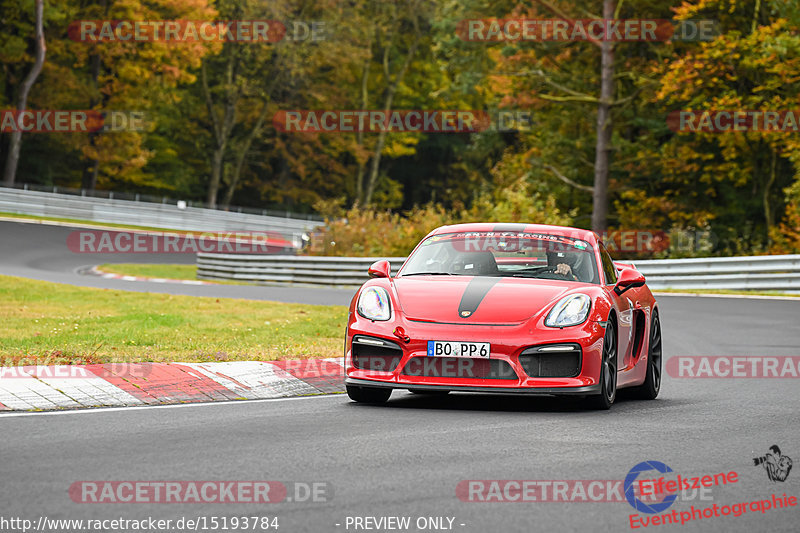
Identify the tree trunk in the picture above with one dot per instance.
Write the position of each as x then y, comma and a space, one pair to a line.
90, 174
92, 168
240, 157
767, 189
372, 178
222, 126
217, 160
15, 143
604, 129
90, 171
362, 165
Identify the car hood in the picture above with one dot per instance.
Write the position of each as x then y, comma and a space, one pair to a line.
476, 299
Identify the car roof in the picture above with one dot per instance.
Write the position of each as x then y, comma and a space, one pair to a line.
500, 227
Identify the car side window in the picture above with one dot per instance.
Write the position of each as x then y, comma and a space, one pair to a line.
608, 266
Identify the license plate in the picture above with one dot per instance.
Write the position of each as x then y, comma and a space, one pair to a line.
478, 350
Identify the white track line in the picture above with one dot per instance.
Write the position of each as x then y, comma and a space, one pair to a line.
95, 271
13, 414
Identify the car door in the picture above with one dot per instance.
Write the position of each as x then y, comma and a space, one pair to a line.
624, 306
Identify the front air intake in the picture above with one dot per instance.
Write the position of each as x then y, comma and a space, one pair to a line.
552, 360
372, 353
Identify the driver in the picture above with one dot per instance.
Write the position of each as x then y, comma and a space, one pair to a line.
563, 263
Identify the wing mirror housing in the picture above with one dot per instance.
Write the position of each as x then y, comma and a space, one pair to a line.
380, 269
628, 279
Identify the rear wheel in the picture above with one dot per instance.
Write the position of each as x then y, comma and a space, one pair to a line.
368, 394
652, 380
608, 372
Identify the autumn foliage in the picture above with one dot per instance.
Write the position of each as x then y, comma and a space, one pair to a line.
210, 105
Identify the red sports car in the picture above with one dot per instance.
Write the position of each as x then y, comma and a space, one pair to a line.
505, 308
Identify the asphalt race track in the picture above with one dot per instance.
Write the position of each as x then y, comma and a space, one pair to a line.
407, 458
40, 251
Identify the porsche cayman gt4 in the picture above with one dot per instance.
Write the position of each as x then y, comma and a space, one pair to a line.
505, 308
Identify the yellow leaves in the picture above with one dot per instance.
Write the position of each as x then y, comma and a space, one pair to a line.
398, 145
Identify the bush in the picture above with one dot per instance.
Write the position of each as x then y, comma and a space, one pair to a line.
786, 236
366, 232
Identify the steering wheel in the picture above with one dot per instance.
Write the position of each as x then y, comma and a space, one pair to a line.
553, 270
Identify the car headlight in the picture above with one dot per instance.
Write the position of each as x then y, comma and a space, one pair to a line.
569, 311
374, 304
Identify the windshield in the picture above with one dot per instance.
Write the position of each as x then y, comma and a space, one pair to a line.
524, 255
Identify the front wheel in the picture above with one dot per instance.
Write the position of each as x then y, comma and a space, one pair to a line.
368, 394
608, 372
652, 380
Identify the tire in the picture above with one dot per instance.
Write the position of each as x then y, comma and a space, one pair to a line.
368, 394
425, 392
652, 380
608, 372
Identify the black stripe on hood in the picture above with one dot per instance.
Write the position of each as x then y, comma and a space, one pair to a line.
473, 295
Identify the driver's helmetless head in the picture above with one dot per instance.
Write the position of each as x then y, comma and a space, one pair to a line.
557, 258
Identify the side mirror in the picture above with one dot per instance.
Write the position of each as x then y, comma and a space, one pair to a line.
628, 279
381, 269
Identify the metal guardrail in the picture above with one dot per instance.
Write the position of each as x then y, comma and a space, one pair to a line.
763, 272
328, 271
156, 215
150, 198
771, 272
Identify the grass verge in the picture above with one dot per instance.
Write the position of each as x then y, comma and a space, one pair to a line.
144, 270
48, 323
151, 270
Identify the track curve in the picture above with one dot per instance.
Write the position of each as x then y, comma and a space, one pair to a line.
39, 251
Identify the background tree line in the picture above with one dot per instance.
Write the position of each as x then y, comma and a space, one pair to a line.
599, 142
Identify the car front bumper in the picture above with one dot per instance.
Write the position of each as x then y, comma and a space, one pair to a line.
524, 391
